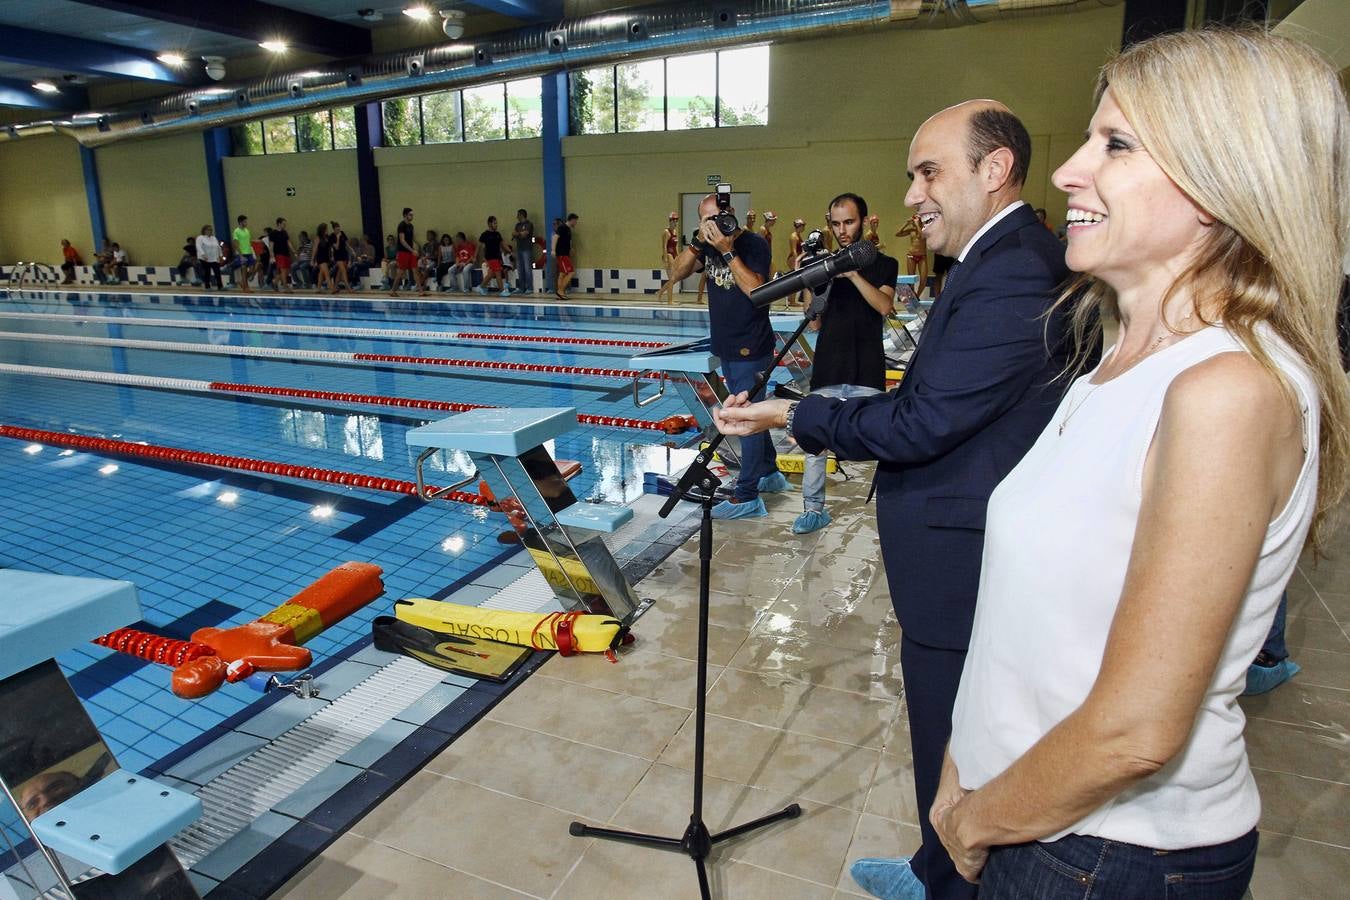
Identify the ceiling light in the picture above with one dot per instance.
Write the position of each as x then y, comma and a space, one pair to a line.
420, 13
45, 86
273, 46
172, 59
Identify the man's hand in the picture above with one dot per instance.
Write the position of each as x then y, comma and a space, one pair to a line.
713, 235
739, 417
947, 815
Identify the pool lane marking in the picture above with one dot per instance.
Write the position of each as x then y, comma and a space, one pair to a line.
340, 330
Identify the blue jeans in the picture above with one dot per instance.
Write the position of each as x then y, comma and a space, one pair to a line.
524, 271
1077, 866
758, 457
813, 470
1274, 646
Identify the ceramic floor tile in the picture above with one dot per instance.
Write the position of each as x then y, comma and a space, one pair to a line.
642, 673
1297, 703
608, 869
805, 767
1298, 750
892, 792
859, 623
1323, 668
724, 609
1303, 807
802, 708
1289, 867
465, 826
808, 847
876, 836
874, 674
354, 868
1302, 632
670, 626
528, 764
588, 715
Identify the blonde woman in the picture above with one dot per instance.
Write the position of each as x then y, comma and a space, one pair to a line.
1134, 559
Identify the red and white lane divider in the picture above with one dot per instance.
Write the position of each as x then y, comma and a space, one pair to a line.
329, 355
337, 330
669, 425
134, 450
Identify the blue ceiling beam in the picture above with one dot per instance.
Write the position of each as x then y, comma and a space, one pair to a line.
20, 93
252, 20
526, 10
28, 47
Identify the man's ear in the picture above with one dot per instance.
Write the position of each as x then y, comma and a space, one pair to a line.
996, 168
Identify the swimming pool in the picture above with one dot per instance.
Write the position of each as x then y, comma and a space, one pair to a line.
209, 547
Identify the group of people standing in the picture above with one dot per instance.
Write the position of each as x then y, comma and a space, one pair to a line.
1087, 547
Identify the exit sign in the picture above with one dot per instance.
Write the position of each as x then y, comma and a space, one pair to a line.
714, 180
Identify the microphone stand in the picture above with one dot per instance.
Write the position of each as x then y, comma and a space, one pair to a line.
699, 483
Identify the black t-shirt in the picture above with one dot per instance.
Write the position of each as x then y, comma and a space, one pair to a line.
281, 242
848, 348
406, 236
564, 240
739, 330
492, 244
524, 234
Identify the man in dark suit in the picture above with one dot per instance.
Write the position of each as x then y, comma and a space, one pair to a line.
977, 393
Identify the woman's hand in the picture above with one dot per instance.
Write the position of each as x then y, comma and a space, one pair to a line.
949, 808
738, 416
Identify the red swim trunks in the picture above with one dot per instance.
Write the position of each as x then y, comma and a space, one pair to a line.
283, 262
406, 260
494, 266
565, 265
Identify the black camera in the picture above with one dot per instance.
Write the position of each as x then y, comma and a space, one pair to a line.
725, 219
814, 244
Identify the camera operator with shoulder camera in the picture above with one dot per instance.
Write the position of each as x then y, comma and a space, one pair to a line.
736, 262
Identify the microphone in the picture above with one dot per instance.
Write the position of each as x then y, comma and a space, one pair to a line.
855, 256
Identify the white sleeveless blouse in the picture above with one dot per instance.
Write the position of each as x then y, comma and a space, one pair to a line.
1057, 543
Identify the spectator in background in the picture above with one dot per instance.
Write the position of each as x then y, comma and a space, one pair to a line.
208, 257
70, 259
445, 259
116, 269
342, 257
490, 254
406, 256
243, 247
229, 262
262, 249
524, 236
465, 253
188, 261
390, 266
323, 258
562, 255
426, 263
304, 252
281, 254
363, 253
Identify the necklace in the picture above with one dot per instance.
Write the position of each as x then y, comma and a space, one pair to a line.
1092, 388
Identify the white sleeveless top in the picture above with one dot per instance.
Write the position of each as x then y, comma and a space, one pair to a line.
1057, 543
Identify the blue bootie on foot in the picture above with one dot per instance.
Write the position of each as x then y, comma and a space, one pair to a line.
811, 520
748, 509
774, 483
889, 879
1264, 679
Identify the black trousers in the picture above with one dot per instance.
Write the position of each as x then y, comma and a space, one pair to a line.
932, 676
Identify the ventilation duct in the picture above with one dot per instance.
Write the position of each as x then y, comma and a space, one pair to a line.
628, 34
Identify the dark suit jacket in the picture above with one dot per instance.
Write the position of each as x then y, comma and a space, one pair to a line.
977, 394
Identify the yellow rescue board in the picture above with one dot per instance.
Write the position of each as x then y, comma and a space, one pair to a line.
592, 633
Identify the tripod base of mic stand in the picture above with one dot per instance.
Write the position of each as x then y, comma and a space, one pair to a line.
696, 842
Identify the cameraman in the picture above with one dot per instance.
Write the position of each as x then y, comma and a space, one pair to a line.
736, 262
849, 361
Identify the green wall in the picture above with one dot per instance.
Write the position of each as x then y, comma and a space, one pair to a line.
42, 200
842, 111
325, 190
154, 194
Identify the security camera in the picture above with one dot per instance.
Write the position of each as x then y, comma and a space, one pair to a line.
414, 66
295, 88
557, 41
193, 107
215, 67
452, 23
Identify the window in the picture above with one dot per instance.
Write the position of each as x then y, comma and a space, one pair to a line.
344, 128
743, 86
698, 90
441, 118
247, 139
279, 135
691, 91
592, 101
314, 131
642, 95
485, 113
402, 122
525, 108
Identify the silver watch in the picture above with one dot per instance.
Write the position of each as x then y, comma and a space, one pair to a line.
791, 416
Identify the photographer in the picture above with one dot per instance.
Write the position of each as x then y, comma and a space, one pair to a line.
849, 361
736, 262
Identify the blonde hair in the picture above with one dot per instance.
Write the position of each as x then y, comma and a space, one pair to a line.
1253, 128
